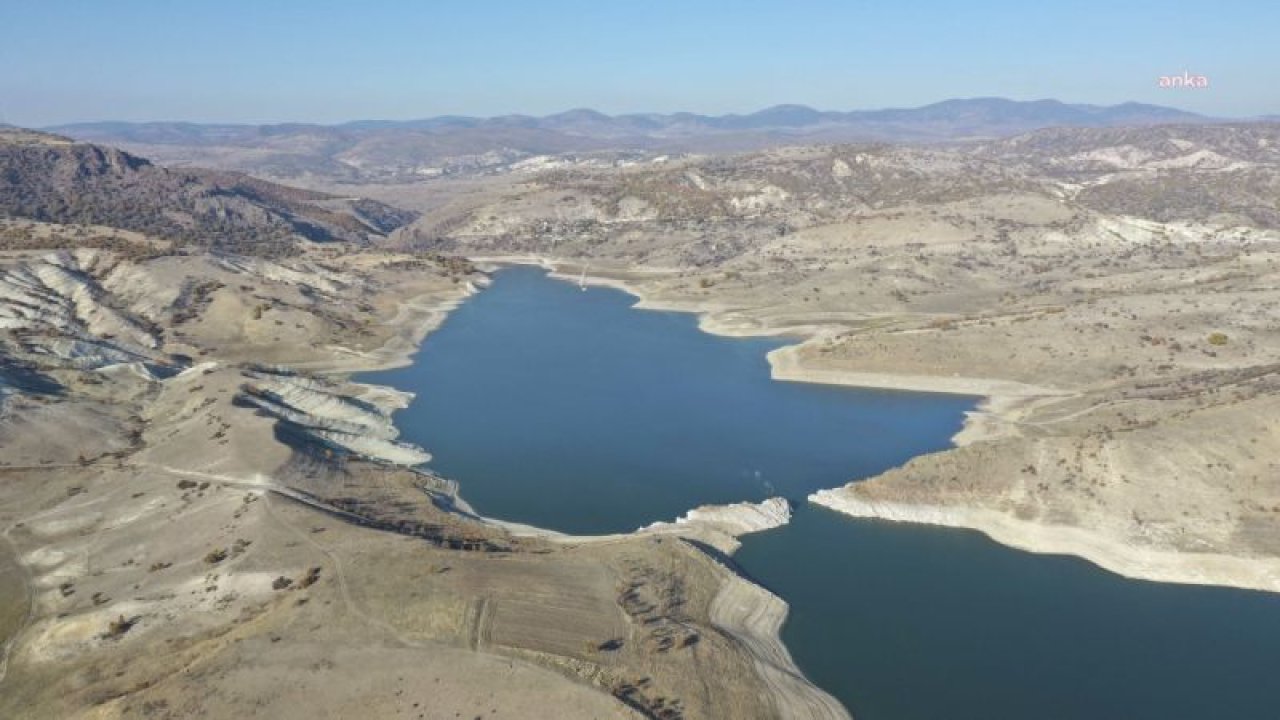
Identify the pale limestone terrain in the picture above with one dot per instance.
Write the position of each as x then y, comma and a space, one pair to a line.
1111, 293
200, 508
202, 516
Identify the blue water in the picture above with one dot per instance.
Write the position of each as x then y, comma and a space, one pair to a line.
909, 622
569, 410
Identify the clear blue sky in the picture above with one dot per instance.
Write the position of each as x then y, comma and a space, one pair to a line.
278, 60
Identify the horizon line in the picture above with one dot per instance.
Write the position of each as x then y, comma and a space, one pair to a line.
584, 108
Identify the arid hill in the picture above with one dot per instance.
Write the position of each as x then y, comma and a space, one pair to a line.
1111, 291
199, 501
198, 507
53, 179
703, 210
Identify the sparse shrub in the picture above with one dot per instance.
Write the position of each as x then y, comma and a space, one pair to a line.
312, 576
119, 626
1217, 338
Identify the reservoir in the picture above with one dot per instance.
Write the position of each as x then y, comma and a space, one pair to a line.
911, 622
569, 410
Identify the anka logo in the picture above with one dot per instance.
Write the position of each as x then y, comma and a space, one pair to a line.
1185, 80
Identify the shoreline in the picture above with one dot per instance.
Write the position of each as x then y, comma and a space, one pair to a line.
1118, 558
1003, 404
749, 613
752, 614
398, 350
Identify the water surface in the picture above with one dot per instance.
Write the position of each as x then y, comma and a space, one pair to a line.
569, 410
910, 622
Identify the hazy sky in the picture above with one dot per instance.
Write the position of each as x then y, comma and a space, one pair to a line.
278, 60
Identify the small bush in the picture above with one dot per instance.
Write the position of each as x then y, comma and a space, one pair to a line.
311, 577
1217, 339
119, 626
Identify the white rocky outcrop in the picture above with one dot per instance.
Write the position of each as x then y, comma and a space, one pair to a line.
380, 449
768, 196
305, 397
735, 519
297, 273
1117, 554
338, 420
85, 354
62, 298
141, 291
844, 500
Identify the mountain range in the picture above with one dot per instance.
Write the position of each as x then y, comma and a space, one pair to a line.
943, 119
415, 149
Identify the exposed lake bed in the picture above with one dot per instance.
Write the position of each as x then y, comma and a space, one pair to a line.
559, 407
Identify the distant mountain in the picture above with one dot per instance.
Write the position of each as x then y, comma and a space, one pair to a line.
942, 117
381, 149
55, 179
1046, 113
778, 116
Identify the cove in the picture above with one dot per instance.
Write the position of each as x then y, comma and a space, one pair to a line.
572, 411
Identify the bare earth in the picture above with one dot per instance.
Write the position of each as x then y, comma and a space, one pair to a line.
1111, 294
242, 537
239, 539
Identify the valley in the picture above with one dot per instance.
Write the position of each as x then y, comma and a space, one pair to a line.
201, 506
